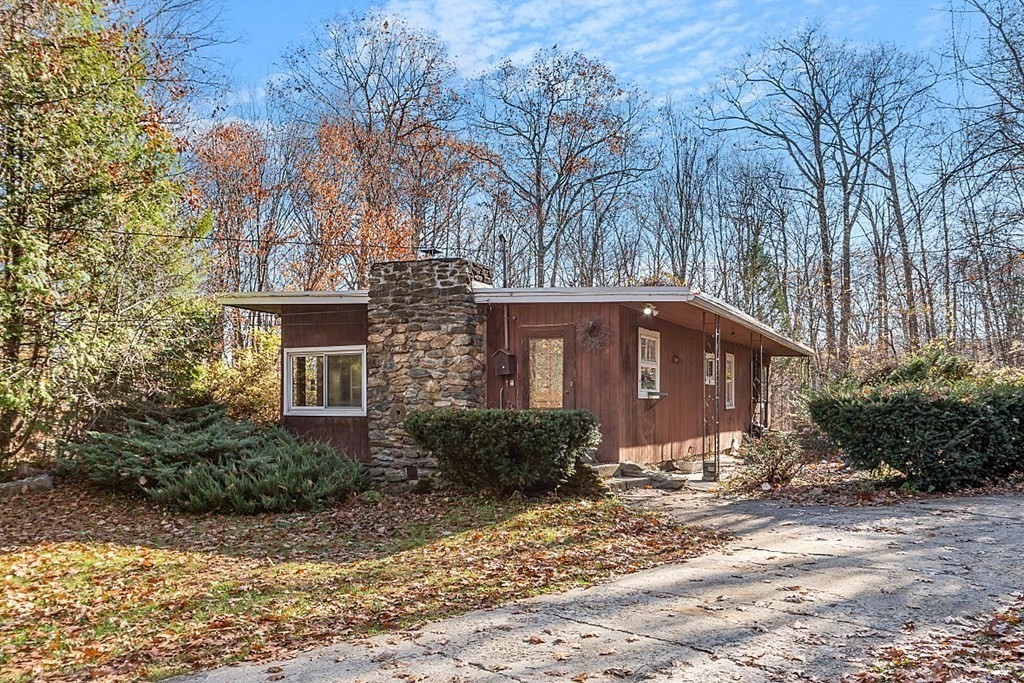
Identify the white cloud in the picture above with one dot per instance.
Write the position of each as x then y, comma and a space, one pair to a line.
931, 28
669, 47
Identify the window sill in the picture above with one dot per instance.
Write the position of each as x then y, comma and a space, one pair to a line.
651, 395
325, 412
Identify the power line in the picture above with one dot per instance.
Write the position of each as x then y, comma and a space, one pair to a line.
223, 238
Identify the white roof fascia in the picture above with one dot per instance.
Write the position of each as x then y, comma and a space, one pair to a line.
500, 295
719, 307
291, 298
537, 295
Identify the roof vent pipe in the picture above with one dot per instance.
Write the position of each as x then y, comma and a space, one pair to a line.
504, 261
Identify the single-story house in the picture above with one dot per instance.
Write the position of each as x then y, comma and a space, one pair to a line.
670, 372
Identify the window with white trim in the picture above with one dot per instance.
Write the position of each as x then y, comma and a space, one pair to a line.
730, 380
649, 375
710, 378
325, 381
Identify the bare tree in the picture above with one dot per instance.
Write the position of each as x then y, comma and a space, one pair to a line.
384, 91
680, 192
789, 98
900, 90
817, 100
560, 131
991, 59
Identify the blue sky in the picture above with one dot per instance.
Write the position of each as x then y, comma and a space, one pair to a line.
667, 47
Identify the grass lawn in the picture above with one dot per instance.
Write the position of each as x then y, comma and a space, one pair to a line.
100, 587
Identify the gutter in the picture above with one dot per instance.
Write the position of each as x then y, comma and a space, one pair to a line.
719, 307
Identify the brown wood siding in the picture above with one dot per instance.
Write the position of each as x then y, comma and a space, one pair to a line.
672, 427
636, 429
313, 326
595, 371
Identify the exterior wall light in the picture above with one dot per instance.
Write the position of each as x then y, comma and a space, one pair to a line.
649, 309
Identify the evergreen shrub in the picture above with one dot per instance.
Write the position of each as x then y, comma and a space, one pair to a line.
934, 419
199, 460
506, 451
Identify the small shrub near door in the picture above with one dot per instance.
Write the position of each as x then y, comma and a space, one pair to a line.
504, 451
199, 460
774, 458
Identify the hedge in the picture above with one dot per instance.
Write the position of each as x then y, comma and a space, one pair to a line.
504, 451
943, 430
199, 460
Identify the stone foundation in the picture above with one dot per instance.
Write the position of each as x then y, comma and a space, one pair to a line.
425, 348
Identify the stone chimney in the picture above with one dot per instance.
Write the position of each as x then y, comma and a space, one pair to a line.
425, 349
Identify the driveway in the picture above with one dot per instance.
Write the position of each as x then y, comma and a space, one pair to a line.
802, 593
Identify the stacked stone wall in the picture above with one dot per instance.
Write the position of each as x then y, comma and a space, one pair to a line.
425, 348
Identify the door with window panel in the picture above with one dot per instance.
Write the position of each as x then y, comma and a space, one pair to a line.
548, 374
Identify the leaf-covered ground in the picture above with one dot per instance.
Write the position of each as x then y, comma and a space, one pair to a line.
992, 652
99, 587
832, 482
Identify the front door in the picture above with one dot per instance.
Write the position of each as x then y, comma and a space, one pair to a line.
550, 369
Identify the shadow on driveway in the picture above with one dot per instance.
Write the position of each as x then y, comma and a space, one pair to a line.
802, 593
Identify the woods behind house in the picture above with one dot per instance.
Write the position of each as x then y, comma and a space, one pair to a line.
864, 198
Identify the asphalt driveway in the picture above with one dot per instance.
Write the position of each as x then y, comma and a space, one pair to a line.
803, 593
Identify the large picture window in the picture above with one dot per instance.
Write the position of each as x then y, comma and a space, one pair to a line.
730, 380
325, 381
649, 377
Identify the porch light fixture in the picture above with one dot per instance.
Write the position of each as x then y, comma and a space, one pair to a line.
649, 309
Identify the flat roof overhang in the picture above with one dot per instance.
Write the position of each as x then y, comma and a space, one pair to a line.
273, 302
681, 305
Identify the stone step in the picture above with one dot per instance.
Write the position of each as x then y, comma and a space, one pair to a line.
620, 484
607, 470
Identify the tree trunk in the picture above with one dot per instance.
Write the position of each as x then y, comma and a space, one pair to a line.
826, 274
910, 315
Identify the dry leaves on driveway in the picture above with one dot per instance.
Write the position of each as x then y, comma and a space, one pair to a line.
990, 653
832, 482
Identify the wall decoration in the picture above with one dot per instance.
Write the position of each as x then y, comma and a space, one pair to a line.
594, 334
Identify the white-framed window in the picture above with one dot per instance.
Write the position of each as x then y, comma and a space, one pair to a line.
328, 380
710, 375
730, 380
649, 372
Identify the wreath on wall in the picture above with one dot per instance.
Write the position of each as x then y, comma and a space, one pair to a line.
594, 334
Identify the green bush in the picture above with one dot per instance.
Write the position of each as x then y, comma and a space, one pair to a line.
935, 420
1007, 402
503, 451
250, 386
199, 460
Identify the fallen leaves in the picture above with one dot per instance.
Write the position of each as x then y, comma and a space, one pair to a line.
102, 588
989, 653
831, 482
